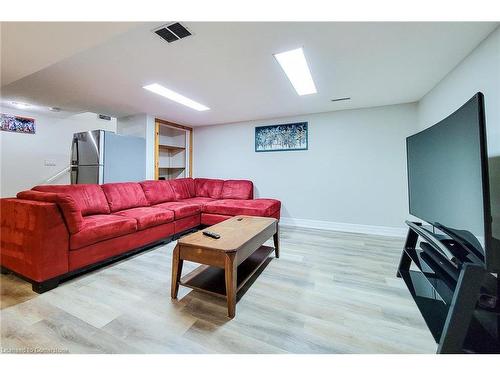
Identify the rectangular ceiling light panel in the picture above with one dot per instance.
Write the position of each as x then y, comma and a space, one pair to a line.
295, 66
172, 95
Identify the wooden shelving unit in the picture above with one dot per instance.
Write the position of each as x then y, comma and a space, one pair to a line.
173, 156
170, 148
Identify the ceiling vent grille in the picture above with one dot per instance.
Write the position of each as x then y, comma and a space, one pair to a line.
173, 32
104, 117
340, 99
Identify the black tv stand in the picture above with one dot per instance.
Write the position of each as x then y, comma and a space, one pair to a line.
446, 286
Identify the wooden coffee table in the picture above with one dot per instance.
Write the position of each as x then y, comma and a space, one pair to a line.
228, 262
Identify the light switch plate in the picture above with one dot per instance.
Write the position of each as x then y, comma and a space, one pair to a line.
49, 163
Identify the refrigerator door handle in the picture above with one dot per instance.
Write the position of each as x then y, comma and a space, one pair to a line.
74, 151
74, 174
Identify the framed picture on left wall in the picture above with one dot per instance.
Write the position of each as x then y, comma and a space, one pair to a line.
17, 124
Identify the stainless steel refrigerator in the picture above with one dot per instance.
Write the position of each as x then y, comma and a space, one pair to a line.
100, 156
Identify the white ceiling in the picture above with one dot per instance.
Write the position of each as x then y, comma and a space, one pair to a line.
28, 47
230, 68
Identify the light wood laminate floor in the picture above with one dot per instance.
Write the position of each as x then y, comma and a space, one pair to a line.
329, 292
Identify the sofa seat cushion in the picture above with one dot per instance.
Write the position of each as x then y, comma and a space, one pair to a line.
158, 191
89, 197
98, 228
233, 207
198, 200
148, 216
208, 187
181, 209
123, 195
237, 189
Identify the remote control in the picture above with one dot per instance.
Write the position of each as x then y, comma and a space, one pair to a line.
211, 234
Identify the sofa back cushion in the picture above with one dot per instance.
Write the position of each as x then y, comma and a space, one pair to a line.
89, 197
183, 188
237, 189
208, 187
123, 195
158, 191
69, 208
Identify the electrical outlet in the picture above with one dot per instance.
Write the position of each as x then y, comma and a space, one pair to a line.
49, 163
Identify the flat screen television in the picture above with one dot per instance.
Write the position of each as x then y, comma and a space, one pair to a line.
448, 183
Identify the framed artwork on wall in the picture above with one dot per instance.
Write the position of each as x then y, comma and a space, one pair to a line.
17, 124
283, 137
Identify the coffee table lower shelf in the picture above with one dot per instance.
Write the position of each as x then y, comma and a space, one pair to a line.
212, 279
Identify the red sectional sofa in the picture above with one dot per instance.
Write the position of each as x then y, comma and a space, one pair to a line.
53, 232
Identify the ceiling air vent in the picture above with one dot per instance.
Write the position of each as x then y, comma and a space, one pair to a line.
340, 99
104, 117
173, 32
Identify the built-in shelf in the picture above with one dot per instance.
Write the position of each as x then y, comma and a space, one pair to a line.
171, 148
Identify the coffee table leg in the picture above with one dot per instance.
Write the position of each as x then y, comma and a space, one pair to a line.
176, 272
276, 239
230, 269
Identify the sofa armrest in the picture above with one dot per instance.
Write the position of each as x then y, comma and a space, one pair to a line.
69, 208
34, 239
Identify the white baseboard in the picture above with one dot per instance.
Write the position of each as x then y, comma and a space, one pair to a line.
344, 227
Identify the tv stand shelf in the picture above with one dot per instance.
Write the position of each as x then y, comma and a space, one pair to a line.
447, 294
432, 308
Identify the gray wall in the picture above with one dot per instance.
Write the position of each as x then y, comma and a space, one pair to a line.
354, 171
141, 125
480, 71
